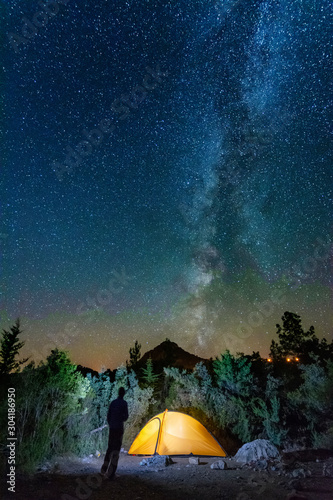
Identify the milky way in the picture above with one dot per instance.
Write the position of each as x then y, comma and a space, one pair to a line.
167, 174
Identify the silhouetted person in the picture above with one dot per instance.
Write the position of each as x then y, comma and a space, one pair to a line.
117, 415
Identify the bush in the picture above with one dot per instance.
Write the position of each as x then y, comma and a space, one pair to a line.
102, 393
226, 402
49, 398
312, 402
268, 411
57, 409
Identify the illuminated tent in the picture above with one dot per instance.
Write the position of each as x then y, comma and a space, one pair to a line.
174, 433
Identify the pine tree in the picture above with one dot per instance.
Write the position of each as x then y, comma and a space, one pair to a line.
149, 378
233, 374
135, 355
295, 341
9, 349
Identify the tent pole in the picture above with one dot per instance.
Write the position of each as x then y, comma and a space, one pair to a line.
159, 432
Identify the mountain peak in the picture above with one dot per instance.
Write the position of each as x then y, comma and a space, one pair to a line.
168, 353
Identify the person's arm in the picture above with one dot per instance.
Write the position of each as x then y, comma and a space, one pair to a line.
125, 415
108, 417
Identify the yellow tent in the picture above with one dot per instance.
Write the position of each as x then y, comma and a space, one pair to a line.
174, 433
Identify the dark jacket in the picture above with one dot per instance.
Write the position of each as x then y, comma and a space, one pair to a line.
117, 414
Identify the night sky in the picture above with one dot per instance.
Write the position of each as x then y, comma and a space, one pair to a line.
167, 173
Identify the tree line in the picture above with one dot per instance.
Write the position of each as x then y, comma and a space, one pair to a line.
287, 398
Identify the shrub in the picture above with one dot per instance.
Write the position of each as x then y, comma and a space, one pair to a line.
49, 397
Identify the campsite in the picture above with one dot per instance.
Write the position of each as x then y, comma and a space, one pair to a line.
238, 426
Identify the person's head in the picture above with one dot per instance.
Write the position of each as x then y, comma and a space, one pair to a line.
121, 392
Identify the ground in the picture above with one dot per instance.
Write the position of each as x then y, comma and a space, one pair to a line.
72, 478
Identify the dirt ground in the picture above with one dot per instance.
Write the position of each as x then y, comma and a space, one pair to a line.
79, 479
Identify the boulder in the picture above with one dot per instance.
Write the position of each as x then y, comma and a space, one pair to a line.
194, 460
157, 461
258, 449
220, 464
299, 473
328, 470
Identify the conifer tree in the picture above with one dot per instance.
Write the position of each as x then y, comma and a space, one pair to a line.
9, 349
149, 377
135, 355
295, 341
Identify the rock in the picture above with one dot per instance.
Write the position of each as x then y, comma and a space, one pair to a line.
159, 461
262, 464
256, 450
220, 464
328, 470
298, 473
46, 467
194, 460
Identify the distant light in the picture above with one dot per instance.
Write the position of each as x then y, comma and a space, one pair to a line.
288, 359
269, 360
296, 359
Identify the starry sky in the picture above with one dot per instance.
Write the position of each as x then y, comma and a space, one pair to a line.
166, 173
